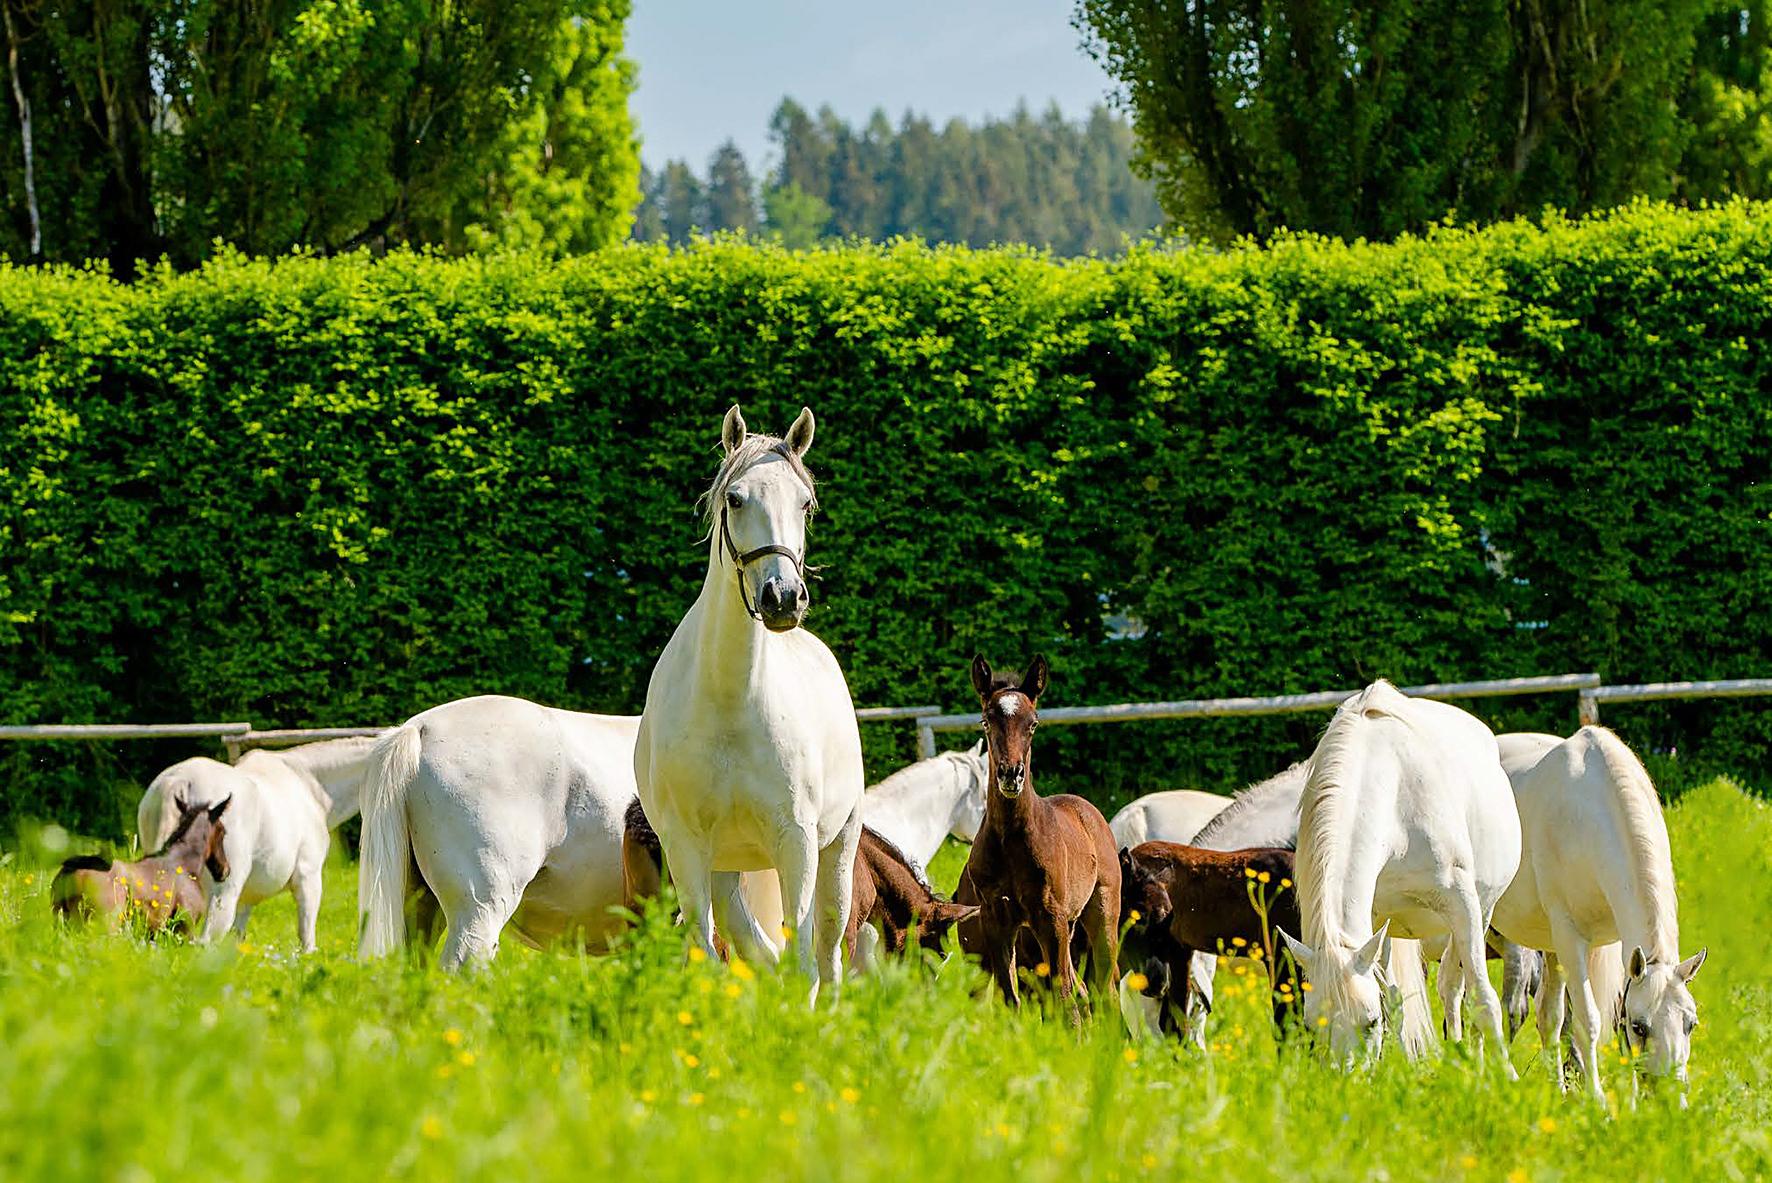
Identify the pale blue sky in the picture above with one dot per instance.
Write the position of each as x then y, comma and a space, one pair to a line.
712, 70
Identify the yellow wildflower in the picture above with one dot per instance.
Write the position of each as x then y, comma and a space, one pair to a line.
1517, 1175
1134, 916
799, 1086
1468, 1162
452, 1037
851, 1095
432, 1128
697, 954
1149, 1161
696, 1098
1548, 1124
1284, 882
1262, 878
685, 1018
1042, 969
1131, 1055
648, 1096
465, 1059
1249, 872
732, 990
1238, 942
742, 971
690, 1060
1136, 981
788, 1116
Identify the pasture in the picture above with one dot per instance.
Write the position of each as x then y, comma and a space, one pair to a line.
121, 1060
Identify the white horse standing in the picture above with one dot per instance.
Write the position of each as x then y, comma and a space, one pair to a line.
1406, 815
749, 755
513, 813
285, 806
918, 806
1598, 869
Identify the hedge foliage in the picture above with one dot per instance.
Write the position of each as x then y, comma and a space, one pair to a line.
315, 492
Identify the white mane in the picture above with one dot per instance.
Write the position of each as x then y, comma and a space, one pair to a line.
1279, 792
755, 448
1636, 809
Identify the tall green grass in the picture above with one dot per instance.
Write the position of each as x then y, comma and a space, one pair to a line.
126, 1061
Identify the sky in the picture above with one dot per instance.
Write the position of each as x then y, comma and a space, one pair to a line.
712, 71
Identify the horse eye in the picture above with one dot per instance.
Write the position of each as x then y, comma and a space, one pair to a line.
734, 501
1691, 1025
1639, 1028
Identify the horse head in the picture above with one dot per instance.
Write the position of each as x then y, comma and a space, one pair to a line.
1011, 713
758, 507
1348, 992
1657, 1014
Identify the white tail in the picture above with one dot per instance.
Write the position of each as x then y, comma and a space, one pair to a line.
386, 847
156, 817
1415, 1029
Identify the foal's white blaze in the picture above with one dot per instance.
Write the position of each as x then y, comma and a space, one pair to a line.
749, 756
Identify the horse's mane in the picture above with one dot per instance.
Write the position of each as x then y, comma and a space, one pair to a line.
1637, 810
1253, 797
911, 863
639, 827
754, 448
186, 819
85, 862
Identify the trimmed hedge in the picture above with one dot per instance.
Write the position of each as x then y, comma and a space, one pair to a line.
314, 492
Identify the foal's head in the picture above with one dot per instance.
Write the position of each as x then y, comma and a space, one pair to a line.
197, 839
1143, 888
1010, 710
1657, 1014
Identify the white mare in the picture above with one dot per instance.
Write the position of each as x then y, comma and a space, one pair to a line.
917, 807
749, 755
285, 805
1598, 869
1406, 821
1172, 816
512, 813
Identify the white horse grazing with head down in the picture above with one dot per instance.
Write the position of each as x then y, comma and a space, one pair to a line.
1406, 818
285, 806
749, 755
918, 806
1598, 869
1172, 816
512, 812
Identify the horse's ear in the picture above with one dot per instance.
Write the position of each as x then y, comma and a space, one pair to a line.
1038, 677
1638, 962
1126, 866
1366, 956
1300, 951
799, 436
219, 808
981, 677
1688, 968
732, 430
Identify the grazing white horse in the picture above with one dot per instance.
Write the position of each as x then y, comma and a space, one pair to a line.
285, 806
1173, 816
749, 755
513, 813
1406, 816
1598, 869
918, 806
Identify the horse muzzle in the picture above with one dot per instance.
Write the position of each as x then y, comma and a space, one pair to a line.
781, 604
1011, 781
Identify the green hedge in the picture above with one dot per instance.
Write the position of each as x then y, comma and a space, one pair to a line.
338, 491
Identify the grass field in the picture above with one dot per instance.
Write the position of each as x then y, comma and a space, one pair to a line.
124, 1061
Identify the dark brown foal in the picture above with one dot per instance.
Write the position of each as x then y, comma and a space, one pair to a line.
891, 896
1191, 899
1041, 864
164, 890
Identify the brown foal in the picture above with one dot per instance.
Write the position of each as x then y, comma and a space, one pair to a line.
163, 890
1043, 864
891, 896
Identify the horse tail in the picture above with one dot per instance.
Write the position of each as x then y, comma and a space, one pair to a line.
156, 817
1415, 1026
386, 847
1605, 974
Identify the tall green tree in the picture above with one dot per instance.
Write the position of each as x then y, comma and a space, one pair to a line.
161, 126
1730, 105
1371, 117
732, 194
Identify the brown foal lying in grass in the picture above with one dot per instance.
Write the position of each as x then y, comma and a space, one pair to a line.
162, 891
1226, 903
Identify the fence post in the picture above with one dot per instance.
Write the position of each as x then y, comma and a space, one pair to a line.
1587, 710
925, 741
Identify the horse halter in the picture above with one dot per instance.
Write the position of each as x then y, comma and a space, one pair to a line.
741, 559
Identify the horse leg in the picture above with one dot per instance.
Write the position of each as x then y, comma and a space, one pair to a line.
733, 916
1583, 1010
693, 879
1202, 968
306, 889
797, 864
241, 916
1467, 944
1054, 938
834, 899
1451, 983
1100, 922
479, 900
222, 906
1550, 1016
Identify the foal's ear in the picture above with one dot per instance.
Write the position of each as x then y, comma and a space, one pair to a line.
732, 430
215, 857
1038, 677
981, 677
1638, 962
1688, 968
219, 808
799, 436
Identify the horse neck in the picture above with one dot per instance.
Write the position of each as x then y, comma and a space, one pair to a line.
1649, 917
917, 805
730, 646
1337, 873
1010, 815
333, 771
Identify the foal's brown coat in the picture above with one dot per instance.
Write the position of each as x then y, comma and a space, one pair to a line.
1045, 864
1189, 898
890, 896
164, 889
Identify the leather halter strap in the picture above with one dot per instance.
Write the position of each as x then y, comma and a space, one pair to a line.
741, 558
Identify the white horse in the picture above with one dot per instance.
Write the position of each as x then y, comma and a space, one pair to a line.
1172, 816
280, 822
918, 806
1406, 816
513, 813
749, 755
1598, 869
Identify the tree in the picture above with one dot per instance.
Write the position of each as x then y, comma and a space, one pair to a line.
1730, 105
159, 127
732, 195
1371, 117
794, 216
681, 205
